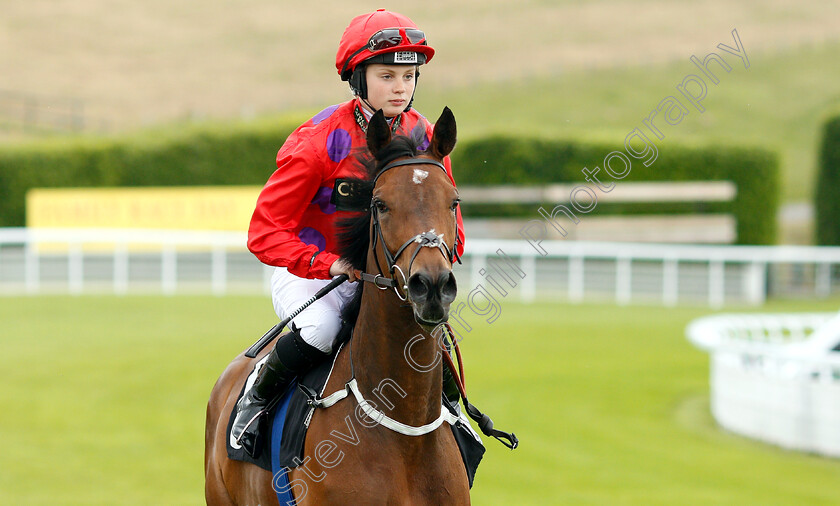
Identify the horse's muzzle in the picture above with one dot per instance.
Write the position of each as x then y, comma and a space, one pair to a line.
431, 297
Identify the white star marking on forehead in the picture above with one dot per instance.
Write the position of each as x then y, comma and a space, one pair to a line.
419, 176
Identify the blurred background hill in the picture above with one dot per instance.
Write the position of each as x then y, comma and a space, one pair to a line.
557, 69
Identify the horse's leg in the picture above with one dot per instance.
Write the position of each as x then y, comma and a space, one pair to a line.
229, 482
215, 490
215, 493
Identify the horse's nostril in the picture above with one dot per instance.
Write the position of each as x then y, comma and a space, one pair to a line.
447, 287
418, 286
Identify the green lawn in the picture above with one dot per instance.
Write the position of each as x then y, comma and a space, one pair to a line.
103, 402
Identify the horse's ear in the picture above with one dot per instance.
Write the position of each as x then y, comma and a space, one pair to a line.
378, 132
444, 136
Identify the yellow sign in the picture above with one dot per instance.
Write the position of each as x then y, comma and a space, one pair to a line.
226, 208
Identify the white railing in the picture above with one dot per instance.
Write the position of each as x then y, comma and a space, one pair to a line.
775, 377
122, 261
665, 273
95, 260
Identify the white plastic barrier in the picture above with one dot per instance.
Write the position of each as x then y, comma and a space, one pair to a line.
775, 378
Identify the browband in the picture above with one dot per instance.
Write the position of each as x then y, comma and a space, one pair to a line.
410, 161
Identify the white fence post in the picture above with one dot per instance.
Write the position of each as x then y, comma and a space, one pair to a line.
168, 269
477, 264
755, 282
120, 268
528, 289
822, 283
670, 281
75, 268
716, 283
623, 280
218, 268
576, 277
32, 267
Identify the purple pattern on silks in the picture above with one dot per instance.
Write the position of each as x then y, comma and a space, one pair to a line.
326, 113
311, 236
322, 198
339, 144
418, 133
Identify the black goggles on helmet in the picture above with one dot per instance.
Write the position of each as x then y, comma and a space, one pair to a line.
389, 37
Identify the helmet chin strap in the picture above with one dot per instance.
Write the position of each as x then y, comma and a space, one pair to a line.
411, 100
370, 107
358, 82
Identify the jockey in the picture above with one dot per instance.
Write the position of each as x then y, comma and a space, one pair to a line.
293, 225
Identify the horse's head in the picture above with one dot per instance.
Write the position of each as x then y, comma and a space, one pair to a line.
413, 222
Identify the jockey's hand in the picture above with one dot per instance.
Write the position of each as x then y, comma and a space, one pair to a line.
341, 266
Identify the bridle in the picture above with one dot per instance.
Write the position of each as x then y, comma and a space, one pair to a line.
428, 239
424, 240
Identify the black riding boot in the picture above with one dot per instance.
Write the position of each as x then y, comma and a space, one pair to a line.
290, 357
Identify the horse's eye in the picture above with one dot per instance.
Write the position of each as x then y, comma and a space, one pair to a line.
455, 204
380, 206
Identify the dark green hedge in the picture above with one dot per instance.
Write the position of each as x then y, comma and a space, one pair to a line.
497, 160
827, 195
242, 153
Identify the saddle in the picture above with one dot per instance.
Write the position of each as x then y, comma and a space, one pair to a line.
286, 416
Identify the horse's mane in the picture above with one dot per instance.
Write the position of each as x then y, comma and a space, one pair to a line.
354, 232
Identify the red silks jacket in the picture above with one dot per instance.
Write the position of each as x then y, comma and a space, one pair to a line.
294, 218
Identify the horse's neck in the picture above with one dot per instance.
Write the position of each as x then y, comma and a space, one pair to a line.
382, 333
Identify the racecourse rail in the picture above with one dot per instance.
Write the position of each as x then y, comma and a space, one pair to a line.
79, 261
775, 377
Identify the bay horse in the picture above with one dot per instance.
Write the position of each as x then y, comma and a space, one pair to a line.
412, 201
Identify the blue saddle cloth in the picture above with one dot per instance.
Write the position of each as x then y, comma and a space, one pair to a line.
279, 473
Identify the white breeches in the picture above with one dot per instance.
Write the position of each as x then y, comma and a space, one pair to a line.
319, 323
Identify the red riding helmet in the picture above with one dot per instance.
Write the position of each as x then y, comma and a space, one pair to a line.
385, 33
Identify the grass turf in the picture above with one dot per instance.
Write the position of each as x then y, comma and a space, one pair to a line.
103, 402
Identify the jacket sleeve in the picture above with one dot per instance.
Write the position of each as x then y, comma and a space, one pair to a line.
280, 206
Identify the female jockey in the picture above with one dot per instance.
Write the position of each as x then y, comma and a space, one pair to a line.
293, 226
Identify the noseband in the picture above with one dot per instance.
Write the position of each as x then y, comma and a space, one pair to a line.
428, 239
